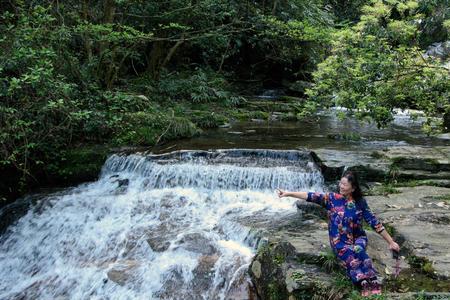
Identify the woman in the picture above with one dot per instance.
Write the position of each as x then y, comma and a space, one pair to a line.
348, 240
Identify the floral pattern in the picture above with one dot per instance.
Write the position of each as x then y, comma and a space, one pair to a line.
347, 236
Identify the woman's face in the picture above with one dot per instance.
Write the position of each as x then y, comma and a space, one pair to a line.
345, 187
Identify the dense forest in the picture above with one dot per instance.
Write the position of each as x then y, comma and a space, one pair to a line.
76, 75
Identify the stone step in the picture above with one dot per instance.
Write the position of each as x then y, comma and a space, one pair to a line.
417, 295
425, 164
420, 174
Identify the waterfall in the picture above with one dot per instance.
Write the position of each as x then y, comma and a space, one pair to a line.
153, 226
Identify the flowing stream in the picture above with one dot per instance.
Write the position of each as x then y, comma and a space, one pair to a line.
152, 227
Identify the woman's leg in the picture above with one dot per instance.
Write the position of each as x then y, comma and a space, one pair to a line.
361, 253
357, 263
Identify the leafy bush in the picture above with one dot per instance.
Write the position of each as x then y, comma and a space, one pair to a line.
377, 66
205, 119
36, 102
200, 87
147, 129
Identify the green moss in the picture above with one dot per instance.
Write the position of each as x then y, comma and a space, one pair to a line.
245, 115
414, 183
384, 189
297, 275
342, 282
352, 136
263, 250
421, 264
444, 198
275, 292
288, 117
279, 259
410, 280
146, 129
428, 164
258, 115
206, 119
329, 261
376, 154
291, 99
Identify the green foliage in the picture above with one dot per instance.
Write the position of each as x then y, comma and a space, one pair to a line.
351, 136
122, 102
346, 11
205, 119
421, 264
146, 129
414, 183
78, 164
36, 102
384, 189
111, 71
298, 275
297, 39
329, 261
435, 15
376, 66
203, 86
279, 259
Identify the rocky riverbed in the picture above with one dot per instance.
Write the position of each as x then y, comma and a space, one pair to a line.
294, 261
408, 189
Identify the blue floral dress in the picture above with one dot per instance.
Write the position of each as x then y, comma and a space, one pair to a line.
347, 237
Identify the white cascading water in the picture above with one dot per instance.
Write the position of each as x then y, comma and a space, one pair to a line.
152, 227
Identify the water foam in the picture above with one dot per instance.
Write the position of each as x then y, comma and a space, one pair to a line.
145, 230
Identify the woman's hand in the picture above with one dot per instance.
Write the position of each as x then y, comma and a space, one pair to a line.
394, 246
282, 193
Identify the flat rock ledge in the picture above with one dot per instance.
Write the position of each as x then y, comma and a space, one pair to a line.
294, 259
400, 163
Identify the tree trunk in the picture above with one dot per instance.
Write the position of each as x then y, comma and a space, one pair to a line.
156, 58
274, 8
172, 52
87, 41
109, 8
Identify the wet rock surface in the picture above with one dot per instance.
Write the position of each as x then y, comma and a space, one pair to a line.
401, 162
422, 220
123, 272
291, 260
286, 265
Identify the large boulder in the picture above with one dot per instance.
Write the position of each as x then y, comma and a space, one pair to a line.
439, 50
420, 218
123, 271
402, 162
294, 256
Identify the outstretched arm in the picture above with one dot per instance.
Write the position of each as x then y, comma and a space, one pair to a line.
299, 195
318, 198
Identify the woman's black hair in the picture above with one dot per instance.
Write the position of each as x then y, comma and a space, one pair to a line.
353, 179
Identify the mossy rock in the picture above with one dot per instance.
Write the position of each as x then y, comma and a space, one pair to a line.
291, 99
206, 119
290, 117
426, 164
269, 106
146, 129
352, 136
244, 115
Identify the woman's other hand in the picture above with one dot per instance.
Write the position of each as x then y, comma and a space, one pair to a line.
394, 246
